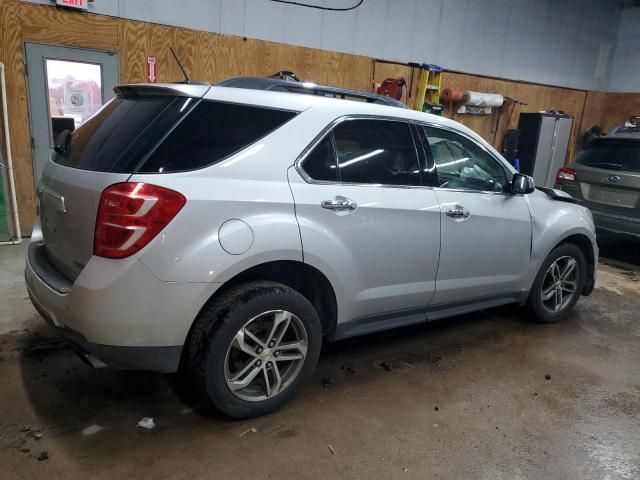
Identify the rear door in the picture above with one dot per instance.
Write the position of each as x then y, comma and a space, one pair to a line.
486, 233
608, 177
366, 219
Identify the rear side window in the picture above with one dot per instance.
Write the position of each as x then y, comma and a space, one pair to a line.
321, 163
117, 137
620, 156
212, 132
376, 152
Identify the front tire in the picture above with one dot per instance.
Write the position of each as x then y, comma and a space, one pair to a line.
558, 285
253, 347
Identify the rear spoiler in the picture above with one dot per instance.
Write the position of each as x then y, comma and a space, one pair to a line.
558, 195
167, 89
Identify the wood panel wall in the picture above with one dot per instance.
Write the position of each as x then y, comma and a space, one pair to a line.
593, 111
609, 110
11, 54
206, 56
214, 57
537, 98
492, 127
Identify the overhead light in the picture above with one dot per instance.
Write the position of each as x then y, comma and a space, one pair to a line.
361, 157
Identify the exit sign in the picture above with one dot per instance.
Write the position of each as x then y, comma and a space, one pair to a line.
77, 4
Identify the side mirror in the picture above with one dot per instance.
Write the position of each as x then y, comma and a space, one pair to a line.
522, 184
62, 142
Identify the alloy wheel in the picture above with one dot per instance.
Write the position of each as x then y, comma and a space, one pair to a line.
559, 284
266, 355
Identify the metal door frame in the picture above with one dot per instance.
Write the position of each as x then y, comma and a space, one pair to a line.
64, 53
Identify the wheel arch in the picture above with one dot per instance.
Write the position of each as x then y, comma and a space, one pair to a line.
583, 242
301, 277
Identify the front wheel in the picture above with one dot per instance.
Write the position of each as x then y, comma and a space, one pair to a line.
253, 347
558, 285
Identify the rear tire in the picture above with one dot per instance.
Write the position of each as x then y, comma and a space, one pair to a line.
253, 347
558, 285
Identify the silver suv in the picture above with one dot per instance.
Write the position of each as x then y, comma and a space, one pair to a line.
226, 231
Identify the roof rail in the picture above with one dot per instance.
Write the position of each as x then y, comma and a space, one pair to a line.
277, 85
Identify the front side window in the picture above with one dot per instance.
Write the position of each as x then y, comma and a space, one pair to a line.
462, 164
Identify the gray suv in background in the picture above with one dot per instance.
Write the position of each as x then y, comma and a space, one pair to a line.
227, 231
606, 179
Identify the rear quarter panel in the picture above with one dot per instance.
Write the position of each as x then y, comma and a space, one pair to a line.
250, 186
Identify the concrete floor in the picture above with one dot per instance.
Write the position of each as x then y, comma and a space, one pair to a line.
463, 398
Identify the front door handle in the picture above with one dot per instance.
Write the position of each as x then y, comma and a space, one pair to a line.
339, 204
458, 212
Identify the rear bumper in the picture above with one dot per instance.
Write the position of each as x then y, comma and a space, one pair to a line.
116, 310
617, 224
156, 359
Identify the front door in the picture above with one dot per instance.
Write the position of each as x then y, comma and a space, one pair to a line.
66, 87
368, 223
486, 233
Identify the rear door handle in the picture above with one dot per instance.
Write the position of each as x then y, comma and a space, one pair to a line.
339, 204
458, 212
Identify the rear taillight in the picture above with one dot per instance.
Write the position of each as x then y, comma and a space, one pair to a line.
565, 173
130, 215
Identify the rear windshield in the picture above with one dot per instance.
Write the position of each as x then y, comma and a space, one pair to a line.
623, 156
166, 134
117, 137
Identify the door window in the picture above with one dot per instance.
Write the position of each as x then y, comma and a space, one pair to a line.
376, 152
74, 93
462, 164
321, 163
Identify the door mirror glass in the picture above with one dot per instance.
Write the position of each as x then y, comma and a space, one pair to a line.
522, 184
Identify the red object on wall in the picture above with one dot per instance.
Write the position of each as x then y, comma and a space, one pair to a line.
78, 4
392, 87
152, 74
452, 95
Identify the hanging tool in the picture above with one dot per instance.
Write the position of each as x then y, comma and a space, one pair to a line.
513, 102
392, 87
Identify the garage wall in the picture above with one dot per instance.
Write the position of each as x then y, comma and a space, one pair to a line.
609, 109
12, 57
557, 42
492, 127
212, 57
626, 60
207, 56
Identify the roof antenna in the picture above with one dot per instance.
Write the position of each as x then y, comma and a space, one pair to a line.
186, 77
